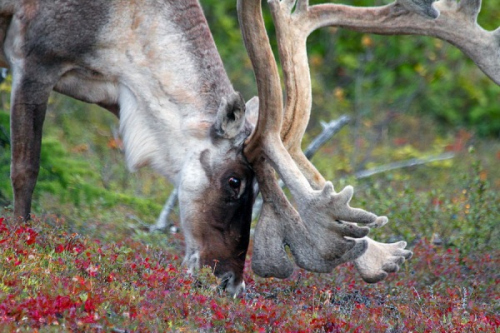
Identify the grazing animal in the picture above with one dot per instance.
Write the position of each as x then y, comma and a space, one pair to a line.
154, 64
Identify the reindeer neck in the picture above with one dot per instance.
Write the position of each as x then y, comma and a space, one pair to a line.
165, 51
171, 80
200, 44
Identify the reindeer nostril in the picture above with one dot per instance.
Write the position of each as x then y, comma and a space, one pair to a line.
229, 283
226, 280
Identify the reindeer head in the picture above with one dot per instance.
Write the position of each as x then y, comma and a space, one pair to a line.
216, 194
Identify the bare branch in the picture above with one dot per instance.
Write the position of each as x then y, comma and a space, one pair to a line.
162, 221
403, 164
329, 130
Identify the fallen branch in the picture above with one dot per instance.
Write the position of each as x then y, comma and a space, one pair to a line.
162, 221
403, 164
329, 130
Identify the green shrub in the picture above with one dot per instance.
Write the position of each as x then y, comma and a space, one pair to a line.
70, 178
462, 213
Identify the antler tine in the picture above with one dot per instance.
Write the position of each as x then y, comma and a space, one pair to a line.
281, 225
456, 23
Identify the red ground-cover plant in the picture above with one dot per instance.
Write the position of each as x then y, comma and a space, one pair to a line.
53, 279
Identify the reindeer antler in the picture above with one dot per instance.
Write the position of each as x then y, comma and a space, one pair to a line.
294, 20
315, 235
456, 23
449, 20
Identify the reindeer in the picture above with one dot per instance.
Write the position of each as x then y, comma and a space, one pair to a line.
154, 64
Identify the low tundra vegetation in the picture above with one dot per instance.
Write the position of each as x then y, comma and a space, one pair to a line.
54, 280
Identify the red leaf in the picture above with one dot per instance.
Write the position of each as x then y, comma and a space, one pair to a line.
59, 248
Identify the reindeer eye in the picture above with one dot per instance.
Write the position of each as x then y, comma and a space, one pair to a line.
234, 183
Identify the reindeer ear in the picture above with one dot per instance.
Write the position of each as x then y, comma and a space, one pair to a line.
252, 112
230, 116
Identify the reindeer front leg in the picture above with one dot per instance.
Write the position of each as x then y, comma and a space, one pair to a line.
29, 99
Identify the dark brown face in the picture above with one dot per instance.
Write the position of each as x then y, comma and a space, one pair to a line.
216, 218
